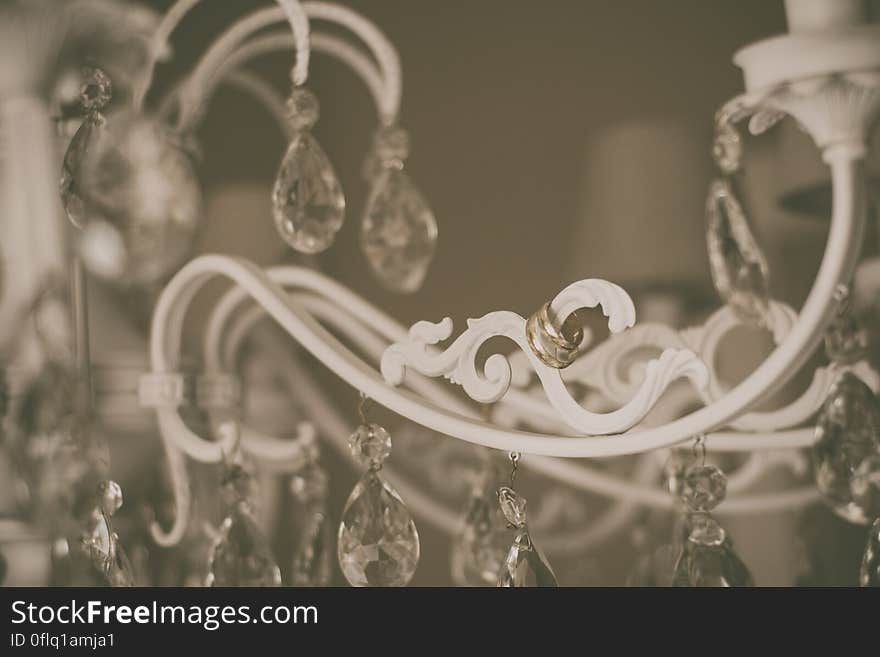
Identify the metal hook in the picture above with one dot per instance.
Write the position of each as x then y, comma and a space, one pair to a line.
700, 446
363, 406
514, 463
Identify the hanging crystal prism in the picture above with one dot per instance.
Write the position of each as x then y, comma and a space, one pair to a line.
706, 557
94, 96
312, 563
738, 267
481, 544
241, 555
869, 574
846, 340
399, 231
525, 564
307, 200
847, 445
377, 543
102, 543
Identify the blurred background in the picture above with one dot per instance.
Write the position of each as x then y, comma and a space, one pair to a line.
554, 141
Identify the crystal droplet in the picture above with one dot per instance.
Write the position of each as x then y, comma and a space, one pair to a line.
738, 267
71, 200
846, 340
399, 232
525, 565
241, 555
848, 435
105, 550
377, 544
312, 563
869, 574
307, 200
140, 201
705, 530
710, 566
370, 444
703, 487
481, 544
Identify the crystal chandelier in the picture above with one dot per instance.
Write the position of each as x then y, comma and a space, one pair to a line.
651, 391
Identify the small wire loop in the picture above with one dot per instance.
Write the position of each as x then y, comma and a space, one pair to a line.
699, 448
363, 407
514, 464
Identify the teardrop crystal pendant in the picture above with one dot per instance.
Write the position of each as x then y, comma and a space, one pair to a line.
399, 231
525, 565
101, 542
307, 201
312, 562
844, 455
707, 558
483, 541
94, 96
869, 574
377, 543
738, 267
241, 555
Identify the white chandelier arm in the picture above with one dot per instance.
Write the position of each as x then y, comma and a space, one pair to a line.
292, 10
602, 368
336, 47
843, 243
352, 326
193, 90
458, 364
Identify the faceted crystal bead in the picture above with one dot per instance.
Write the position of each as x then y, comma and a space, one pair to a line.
242, 556
135, 197
307, 200
312, 563
704, 487
848, 437
370, 444
525, 565
377, 544
111, 496
303, 109
738, 267
399, 232
710, 566
869, 574
727, 149
96, 90
481, 544
391, 146
846, 341
71, 200
705, 530
105, 551
309, 485
513, 506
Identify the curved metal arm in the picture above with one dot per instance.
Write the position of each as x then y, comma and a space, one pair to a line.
292, 10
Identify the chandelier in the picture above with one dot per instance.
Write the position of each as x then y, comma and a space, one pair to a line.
561, 405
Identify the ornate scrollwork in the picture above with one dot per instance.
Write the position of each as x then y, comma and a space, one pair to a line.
458, 362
